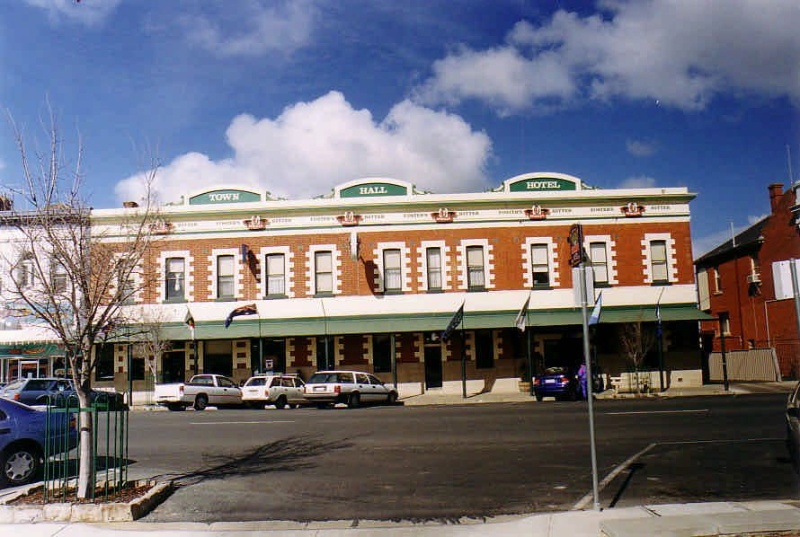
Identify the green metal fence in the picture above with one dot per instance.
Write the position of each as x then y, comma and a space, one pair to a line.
109, 468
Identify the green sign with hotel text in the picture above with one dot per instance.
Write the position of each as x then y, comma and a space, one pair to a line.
541, 184
373, 189
224, 196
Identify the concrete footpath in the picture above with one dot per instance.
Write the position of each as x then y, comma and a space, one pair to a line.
762, 518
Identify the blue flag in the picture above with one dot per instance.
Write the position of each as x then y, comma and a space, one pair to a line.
594, 318
247, 309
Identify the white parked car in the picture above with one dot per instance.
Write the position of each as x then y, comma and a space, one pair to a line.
351, 387
278, 390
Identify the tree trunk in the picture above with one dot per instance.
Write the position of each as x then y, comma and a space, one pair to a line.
86, 450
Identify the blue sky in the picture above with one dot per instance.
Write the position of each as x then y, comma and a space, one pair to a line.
452, 95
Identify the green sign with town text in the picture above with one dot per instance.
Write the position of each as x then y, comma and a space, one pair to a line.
224, 196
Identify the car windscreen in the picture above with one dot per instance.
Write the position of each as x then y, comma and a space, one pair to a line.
555, 371
328, 378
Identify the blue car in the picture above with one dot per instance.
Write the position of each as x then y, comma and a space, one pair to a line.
558, 382
24, 434
55, 391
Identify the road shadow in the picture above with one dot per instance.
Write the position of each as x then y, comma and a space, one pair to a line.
293, 453
632, 469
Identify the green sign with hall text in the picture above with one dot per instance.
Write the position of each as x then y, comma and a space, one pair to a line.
541, 184
364, 190
224, 196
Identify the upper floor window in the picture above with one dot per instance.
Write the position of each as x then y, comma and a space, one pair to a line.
126, 287
475, 268
58, 277
658, 261
598, 257
25, 272
276, 274
323, 273
540, 265
433, 257
392, 271
225, 276
175, 278
717, 280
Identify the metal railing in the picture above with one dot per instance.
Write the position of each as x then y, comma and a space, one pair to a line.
109, 466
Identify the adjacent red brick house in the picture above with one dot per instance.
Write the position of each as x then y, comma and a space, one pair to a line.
736, 285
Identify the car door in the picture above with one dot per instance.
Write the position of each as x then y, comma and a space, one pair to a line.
380, 390
365, 388
297, 391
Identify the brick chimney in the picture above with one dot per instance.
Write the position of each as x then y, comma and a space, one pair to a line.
775, 193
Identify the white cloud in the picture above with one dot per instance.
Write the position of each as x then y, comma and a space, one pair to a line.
252, 28
679, 54
313, 146
638, 182
87, 12
640, 148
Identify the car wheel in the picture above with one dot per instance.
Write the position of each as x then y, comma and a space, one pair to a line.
200, 402
354, 400
392, 399
281, 402
20, 465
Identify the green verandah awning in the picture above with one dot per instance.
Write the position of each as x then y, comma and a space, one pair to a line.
376, 323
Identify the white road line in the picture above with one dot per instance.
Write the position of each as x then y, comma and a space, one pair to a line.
583, 502
632, 412
237, 422
723, 441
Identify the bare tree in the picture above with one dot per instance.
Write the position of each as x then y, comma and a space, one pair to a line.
636, 339
70, 275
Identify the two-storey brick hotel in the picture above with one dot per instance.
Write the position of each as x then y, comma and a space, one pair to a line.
370, 275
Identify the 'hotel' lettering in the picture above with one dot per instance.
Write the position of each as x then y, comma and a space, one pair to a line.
543, 185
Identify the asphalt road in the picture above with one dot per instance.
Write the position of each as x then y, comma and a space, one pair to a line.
447, 462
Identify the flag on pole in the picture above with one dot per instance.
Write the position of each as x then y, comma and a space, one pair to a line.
522, 317
594, 318
247, 309
454, 322
189, 320
658, 318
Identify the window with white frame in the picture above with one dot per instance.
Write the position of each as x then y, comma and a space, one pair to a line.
275, 265
540, 265
392, 270
323, 272
717, 280
659, 264
226, 281
725, 323
598, 257
58, 277
175, 279
25, 272
433, 258
476, 277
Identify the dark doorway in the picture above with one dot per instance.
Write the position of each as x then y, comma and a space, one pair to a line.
218, 357
269, 356
433, 367
173, 366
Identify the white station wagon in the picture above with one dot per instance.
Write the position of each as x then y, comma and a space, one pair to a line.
351, 387
278, 390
